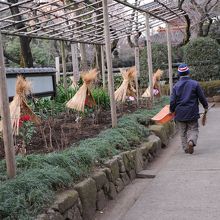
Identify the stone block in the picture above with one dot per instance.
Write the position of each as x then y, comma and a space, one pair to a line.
125, 178
65, 200
145, 164
156, 147
132, 174
100, 179
129, 160
108, 174
87, 192
112, 191
210, 99
73, 214
113, 166
106, 188
144, 148
160, 131
79, 205
138, 161
52, 215
119, 185
216, 98
150, 147
121, 164
101, 200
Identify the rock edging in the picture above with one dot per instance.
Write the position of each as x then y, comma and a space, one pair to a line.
93, 193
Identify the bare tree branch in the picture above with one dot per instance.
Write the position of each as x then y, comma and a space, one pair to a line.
188, 24
11, 58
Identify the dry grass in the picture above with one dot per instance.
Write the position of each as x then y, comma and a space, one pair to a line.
19, 107
156, 83
126, 88
83, 95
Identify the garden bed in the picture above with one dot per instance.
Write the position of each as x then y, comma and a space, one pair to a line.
59, 132
40, 176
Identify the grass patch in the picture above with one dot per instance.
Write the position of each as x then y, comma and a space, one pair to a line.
39, 176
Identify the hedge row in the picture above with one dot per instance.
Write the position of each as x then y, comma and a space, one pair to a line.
210, 88
39, 176
201, 54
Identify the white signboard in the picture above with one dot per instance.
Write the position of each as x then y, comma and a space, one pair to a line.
40, 84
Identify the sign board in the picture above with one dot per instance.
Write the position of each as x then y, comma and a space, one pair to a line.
43, 80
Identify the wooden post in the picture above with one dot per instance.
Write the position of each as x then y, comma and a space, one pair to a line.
149, 58
137, 65
6, 121
75, 63
169, 58
83, 57
109, 63
57, 63
64, 64
96, 58
103, 67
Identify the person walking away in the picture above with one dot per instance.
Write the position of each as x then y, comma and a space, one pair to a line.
184, 102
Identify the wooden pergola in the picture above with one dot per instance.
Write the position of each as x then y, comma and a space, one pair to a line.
87, 22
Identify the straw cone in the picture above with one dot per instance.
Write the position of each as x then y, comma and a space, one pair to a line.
74, 84
126, 88
83, 95
19, 106
156, 83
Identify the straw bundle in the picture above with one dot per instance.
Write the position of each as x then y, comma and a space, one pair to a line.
19, 107
126, 88
83, 96
156, 84
74, 83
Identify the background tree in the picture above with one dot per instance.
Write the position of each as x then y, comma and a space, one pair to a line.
26, 59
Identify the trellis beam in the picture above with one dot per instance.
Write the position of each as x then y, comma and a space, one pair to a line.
139, 9
53, 38
109, 64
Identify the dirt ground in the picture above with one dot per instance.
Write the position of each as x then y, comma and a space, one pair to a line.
62, 131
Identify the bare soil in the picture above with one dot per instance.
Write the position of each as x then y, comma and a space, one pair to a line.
62, 131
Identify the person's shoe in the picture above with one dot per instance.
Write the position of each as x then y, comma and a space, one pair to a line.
187, 151
191, 147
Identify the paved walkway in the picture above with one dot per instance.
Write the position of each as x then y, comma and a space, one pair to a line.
188, 186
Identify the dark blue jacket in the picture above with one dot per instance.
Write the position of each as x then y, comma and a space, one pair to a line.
185, 98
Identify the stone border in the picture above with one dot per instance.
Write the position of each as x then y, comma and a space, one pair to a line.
93, 193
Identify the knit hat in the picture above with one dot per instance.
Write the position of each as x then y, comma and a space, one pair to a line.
183, 69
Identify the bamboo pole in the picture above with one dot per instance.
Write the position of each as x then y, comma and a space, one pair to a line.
57, 64
6, 121
149, 58
169, 58
109, 63
103, 67
64, 64
137, 65
75, 62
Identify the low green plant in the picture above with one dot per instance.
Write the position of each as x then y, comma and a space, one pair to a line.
101, 97
26, 132
39, 176
64, 95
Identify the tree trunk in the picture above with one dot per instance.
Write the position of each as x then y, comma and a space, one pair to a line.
26, 59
